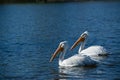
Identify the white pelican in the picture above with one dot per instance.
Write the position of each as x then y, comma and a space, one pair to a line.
90, 51
75, 60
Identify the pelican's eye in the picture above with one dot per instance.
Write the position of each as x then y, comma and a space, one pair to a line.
84, 35
62, 45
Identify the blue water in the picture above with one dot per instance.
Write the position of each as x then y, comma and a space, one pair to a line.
30, 33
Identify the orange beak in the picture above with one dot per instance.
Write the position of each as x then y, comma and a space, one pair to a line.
81, 39
58, 50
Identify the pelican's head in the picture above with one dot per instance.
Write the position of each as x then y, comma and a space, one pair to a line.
61, 48
80, 39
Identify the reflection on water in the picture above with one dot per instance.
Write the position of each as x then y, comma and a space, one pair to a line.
75, 72
29, 34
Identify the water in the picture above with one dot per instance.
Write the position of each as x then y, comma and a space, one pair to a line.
30, 33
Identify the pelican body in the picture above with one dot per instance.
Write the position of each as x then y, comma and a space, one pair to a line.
90, 51
75, 60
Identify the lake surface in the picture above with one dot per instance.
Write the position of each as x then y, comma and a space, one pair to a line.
30, 33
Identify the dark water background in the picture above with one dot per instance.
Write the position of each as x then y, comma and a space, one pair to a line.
29, 34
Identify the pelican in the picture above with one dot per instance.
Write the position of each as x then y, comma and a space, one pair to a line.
90, 51
75, 60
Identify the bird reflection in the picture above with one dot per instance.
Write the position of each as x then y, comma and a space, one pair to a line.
75, 72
